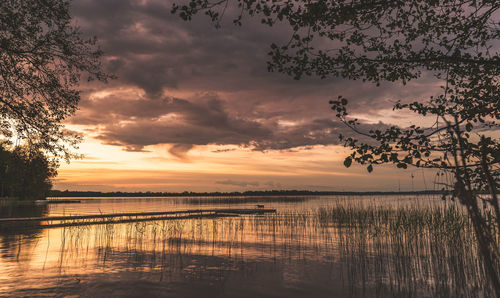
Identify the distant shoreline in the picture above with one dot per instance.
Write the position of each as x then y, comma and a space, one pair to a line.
66, 193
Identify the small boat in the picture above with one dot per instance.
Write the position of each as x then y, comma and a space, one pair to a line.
41, 202
260, 206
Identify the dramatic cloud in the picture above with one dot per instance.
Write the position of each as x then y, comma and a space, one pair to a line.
133, 122
188, 84
194, 108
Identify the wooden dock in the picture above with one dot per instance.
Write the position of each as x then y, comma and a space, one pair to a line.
79, 220
57, 201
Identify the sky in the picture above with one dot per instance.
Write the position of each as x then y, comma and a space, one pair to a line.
193, 108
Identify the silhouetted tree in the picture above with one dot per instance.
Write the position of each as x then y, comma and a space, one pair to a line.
397, 41
4, 160
37, 171
42, 56
25, 173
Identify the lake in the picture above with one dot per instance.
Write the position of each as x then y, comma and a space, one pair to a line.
318, 246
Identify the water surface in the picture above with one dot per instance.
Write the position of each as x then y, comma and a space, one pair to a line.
305, 250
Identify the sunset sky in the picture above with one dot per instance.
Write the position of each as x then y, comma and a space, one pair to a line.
194, 108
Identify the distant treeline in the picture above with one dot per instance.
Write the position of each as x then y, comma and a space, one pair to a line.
25, 173
67, 193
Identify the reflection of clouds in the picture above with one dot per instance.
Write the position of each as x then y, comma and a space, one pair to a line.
311, 252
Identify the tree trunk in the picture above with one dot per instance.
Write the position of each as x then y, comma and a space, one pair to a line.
486, 241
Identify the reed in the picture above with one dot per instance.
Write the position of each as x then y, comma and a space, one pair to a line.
375, 250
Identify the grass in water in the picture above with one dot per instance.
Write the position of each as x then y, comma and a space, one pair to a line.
376, 251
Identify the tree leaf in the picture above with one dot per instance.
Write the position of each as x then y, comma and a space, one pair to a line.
347, 161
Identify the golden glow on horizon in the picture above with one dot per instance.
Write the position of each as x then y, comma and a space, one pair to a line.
217, 168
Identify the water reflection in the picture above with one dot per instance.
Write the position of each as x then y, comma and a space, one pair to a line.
17, 244
337, 251
11, 208
93, 205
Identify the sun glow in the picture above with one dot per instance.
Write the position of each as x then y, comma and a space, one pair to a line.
110, 168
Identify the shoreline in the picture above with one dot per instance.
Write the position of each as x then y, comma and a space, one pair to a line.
58, 193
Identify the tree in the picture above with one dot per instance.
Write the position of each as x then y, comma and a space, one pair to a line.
399, 41
25, 173
42, 58
4, 160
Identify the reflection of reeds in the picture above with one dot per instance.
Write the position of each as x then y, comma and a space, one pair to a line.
116, 218
382, 251
409, 251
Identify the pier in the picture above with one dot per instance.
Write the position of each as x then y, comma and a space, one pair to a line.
79, 220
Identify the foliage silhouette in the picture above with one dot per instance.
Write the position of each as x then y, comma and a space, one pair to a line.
42, 58
25, 173
398, 41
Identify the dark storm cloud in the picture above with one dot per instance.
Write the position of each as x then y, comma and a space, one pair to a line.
154, 49
137, 123
150, 49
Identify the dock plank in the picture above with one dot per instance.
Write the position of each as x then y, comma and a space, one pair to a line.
139, 214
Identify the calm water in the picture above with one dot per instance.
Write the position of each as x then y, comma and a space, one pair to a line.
298, 252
